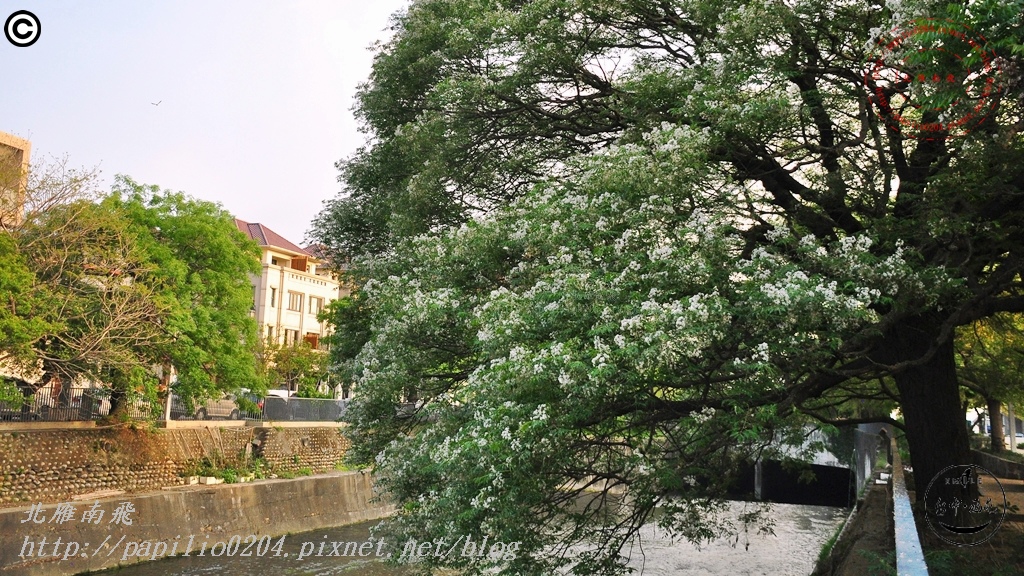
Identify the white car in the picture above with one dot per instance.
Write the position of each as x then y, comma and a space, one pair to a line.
224, 407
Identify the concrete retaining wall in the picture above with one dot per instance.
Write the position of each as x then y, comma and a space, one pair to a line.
998, 466
172, 516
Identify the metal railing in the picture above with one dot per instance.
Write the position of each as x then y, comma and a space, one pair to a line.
866, 444
303, 409
64, 404
71, 404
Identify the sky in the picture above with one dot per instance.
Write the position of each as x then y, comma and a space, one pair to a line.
246, 103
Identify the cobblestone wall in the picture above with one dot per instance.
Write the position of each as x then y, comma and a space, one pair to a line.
291, 449
56, 465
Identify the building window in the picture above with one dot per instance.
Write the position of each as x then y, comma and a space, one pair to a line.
316, 304
253, 298
273, 297
291, 337
295, 301
270, 333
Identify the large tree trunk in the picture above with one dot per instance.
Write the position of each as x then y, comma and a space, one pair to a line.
995, 416
929, 399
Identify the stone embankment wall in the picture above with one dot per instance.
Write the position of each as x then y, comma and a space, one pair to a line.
57, 465
998, 466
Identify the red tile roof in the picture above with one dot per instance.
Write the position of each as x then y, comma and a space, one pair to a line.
317, 251
266, 237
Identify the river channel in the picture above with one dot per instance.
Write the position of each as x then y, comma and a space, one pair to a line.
800, 532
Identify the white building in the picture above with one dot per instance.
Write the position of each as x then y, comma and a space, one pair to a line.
292, 289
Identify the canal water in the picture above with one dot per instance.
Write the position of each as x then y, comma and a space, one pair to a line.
800, 532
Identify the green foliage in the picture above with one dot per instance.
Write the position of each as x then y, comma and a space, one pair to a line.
247, 405
299, 366
202, 264
311, 391
826, 549
880, 565
102, 310
289, 474
217, 466
350, 313
10, 396
1005, 560
23, 318
343, 467
205, 466
106, 287
631, 244
570, 337
990, 356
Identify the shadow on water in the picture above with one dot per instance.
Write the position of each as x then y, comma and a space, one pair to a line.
810, 484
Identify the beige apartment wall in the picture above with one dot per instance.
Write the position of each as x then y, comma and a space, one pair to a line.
14, 162
285, 279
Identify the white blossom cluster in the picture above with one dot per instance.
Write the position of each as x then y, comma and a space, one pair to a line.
601, 290
628, 283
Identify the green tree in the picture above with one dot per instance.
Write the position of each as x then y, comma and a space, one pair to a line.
23, 317
201, 273
990, 358
103, 288
687, 227
350, 312
22, 312
298, 366
90, 282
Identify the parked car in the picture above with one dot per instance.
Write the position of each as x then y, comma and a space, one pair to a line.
250, 404
224, 407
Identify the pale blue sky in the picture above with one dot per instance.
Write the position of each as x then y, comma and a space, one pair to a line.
255, 96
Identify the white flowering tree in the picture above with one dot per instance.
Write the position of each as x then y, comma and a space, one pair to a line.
687, 228
606, 334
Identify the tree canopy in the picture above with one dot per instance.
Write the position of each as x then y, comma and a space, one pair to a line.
104, 287
298, 366
990, 359
202, 265
84, 284
624, 245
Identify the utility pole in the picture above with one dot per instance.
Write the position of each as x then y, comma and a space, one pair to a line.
1013, 427
165, 376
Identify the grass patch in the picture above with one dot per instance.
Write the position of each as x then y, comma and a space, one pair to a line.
341, 466
966, 561
1007, 455
1001, 555
228, 471
880, 564
289, 474
826, 549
